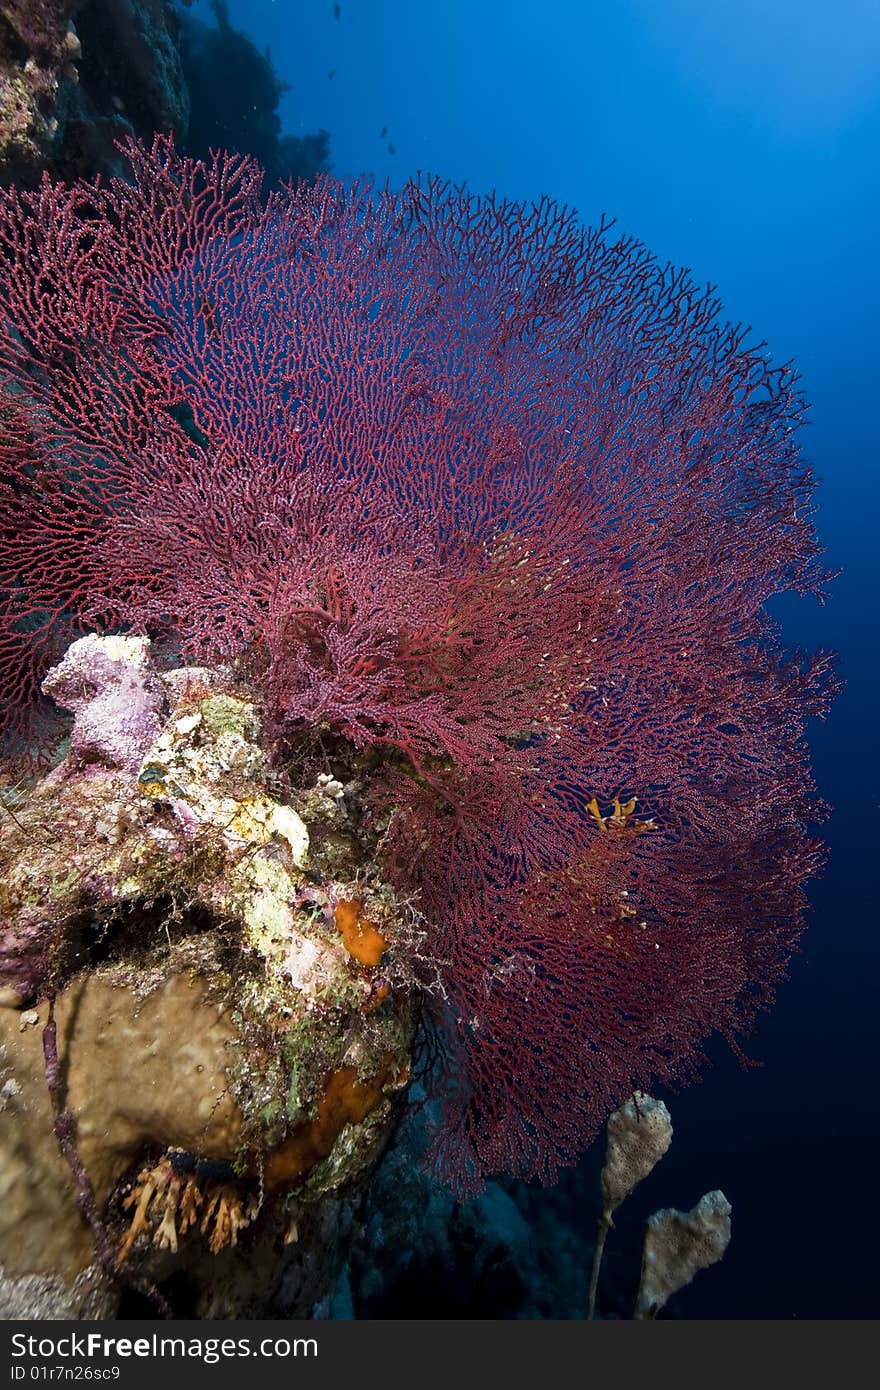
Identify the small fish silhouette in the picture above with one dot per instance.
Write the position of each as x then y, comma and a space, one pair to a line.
331, 74
336, 12
392, 150
383, 132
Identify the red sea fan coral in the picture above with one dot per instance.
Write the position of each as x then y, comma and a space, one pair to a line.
497, 497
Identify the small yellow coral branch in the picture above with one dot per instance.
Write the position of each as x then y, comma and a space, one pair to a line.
622, 817
167, 1204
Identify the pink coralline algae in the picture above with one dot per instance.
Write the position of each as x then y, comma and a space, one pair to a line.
494, 499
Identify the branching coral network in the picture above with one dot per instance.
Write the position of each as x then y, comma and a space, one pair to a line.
498, 501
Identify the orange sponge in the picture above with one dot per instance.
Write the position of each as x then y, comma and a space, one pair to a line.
362, 940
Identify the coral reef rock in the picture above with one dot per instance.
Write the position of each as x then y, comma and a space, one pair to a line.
78, 75
39, 50
235, 95
235, 997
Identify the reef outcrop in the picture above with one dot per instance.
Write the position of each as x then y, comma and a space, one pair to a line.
230, 989
77, 76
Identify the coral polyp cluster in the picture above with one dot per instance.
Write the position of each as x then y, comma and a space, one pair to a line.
170, 1198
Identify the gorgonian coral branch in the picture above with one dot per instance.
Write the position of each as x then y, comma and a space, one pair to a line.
496, 497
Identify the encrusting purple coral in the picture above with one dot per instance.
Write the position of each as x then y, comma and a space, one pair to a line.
116, 697
112, 689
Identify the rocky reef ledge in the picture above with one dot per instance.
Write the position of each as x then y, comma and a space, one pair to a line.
209, 1004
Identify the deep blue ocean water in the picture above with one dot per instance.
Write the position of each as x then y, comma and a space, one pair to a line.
741, 140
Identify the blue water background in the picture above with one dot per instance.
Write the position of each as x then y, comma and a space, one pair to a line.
742, 140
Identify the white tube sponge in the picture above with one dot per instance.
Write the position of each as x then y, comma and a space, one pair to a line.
677, 1245
639, 1133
